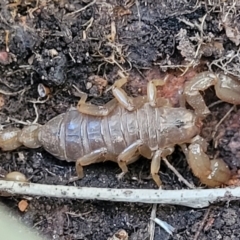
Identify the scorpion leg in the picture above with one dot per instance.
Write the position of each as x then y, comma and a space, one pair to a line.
94, 110
153, 100
156, 162
129, 154
98, 155
127, 102
227, 89
213, 173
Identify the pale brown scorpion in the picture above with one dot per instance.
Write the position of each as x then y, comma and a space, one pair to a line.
125, 128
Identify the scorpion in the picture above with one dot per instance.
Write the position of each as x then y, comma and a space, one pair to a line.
125, 128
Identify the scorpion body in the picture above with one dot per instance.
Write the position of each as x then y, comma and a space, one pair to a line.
72, 134
125, 128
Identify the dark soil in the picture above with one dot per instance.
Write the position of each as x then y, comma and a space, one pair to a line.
54, 46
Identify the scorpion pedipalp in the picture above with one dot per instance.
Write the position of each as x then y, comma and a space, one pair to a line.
227, 89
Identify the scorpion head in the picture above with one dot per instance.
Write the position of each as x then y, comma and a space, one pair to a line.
191, 125
179, 125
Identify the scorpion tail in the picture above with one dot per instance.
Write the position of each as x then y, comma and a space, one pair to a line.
11, 139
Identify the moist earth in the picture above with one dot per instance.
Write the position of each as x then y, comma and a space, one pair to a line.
57, 45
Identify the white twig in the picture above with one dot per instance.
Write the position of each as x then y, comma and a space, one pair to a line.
152, 222
196, 198
167, 227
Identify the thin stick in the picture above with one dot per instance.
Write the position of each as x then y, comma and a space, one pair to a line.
37, 115
11, 93
196, 198
215, 103
80, 10
220, 122
17, 121
180, 177
202, 224
152, 223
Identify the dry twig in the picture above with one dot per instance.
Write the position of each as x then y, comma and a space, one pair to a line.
74, 14
202, 224
222, 120
13, 93
151, 229
196, 198
180, 177
167, 227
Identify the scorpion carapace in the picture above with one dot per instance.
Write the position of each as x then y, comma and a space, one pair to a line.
126, 128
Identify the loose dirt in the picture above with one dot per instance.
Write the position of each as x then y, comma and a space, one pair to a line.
64, 43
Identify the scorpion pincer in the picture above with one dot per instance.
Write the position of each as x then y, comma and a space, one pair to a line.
125, 128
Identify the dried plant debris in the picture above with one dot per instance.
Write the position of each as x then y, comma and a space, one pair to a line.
230, 21
228, 63
215, 45
205, 46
